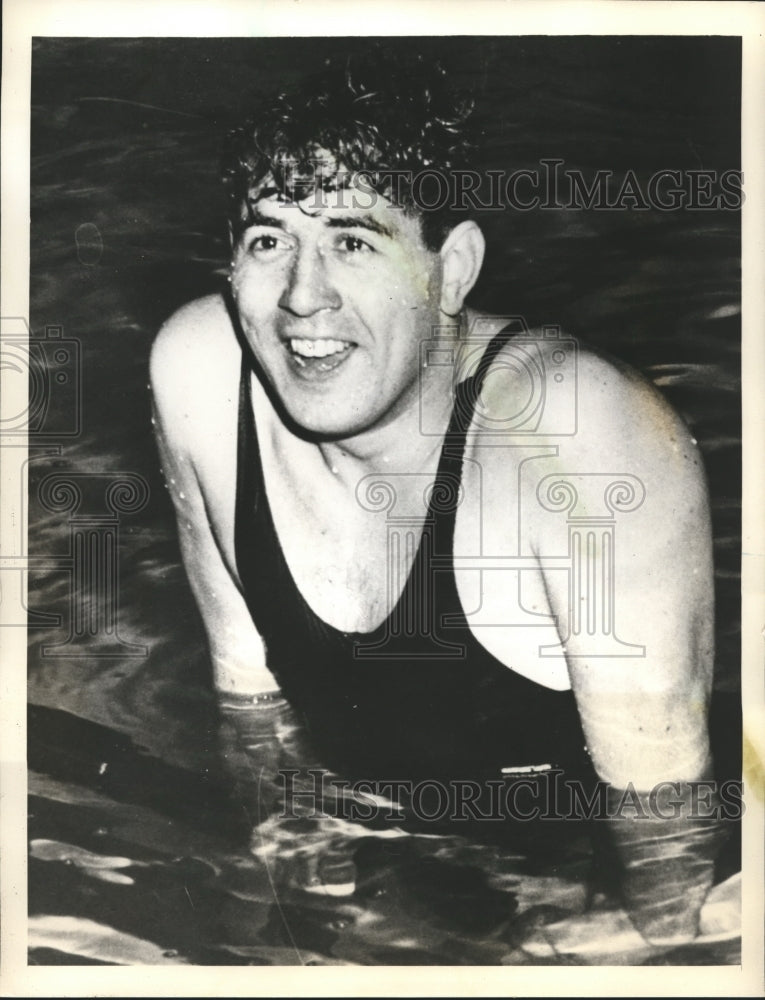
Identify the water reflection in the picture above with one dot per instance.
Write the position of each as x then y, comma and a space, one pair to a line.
213, 878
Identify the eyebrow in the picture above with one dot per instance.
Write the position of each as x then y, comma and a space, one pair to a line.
358, 222
259, 218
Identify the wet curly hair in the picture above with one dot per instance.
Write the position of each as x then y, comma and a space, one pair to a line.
386, 113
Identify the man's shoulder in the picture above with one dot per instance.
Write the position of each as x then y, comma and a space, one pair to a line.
203, 325
610, 428
560, 391
194, 363
620, 410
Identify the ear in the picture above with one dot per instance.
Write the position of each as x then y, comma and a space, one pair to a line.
461, 260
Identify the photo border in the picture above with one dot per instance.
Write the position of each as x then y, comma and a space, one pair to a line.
229, 18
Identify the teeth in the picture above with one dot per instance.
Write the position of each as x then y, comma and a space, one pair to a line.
317, 348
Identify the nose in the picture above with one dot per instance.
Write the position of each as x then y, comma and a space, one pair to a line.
309, 288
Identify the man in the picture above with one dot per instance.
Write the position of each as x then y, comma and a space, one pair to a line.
456, 547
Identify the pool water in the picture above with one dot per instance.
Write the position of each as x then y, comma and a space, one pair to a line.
154, 823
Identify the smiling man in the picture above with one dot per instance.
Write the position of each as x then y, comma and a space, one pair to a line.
458, 549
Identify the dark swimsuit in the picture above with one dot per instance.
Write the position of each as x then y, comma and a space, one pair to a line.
425, 702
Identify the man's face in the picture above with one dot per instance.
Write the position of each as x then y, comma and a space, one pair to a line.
334, 300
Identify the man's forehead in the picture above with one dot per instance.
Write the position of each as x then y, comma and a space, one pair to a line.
353, 203
339, 189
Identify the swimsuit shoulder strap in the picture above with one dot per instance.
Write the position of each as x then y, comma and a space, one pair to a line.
248, 453
445, 494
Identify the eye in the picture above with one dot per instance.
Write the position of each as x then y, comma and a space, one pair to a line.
353, 244
266, 242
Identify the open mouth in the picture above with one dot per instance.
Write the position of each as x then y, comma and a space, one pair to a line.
321, 355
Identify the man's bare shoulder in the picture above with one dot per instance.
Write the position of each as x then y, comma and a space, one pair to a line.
195, 353
622, 415
199, 330
591, 407
194, 364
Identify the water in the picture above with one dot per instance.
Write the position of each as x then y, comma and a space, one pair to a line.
148, 843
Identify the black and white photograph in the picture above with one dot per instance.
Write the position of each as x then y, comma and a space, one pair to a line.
377, 527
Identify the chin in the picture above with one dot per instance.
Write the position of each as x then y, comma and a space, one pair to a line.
322, 427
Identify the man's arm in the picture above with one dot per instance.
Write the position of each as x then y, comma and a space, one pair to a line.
194, 380
642, 568
643, 550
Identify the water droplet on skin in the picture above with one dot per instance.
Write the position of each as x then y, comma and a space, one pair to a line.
172, 481
182, 496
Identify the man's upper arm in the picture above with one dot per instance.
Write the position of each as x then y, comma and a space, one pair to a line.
187, 424
626, 500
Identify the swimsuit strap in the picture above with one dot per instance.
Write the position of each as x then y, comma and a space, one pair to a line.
445, 494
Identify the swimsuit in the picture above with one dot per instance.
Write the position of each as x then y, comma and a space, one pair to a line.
429, 702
